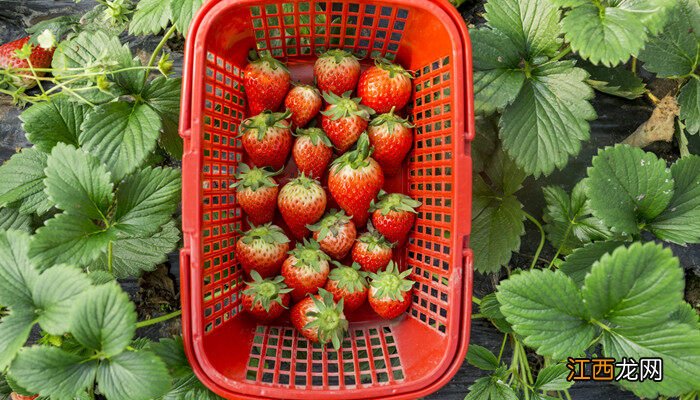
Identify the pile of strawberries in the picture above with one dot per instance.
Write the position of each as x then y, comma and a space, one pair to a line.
356, 141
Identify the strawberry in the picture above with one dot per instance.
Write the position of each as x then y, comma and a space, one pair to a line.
17, 396
354, 181
38, 56
304, 102
348, 284
256, 191
306, 269
337, 71
394, 215
267, 138
385, 86
312, 151
372, 251
336, 233
265, 299
390, 291
302, 201
344, 119
262, 249
266, 82
392, 138
320, 319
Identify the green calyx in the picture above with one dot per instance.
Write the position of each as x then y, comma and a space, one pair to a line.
394, 202
255, 178
269, 61
372, 238
266, 291
393, 69
328, 319
357, 158
268, 233
309, 254
316, 135
390, 282
338, 55
345, 107
264, 121
331, 223
350, 278
304, 182
391, 120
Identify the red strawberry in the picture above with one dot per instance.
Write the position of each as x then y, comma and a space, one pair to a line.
348, 284
336, 233
17, 396
394, 215
304, 102
344, 119
38, 56
372, 251
337, 71
265, 299
306, 269
320, 319
256, 191
392, 138
263, 249
267, 138
390, 291
266, 82
302, 201
354, 181
312, 151
385, 86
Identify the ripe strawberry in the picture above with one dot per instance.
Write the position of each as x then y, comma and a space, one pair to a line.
302, 201
348, 284
320, 319
337, 71
256, 191
306, 269
17, 396
344, 119
336, 233
390, 291
312, 151
354, 181
372, 251
263, 249
385, 86
392, 138
394, 215
266, 82
39, 57
267, 138
304, 102
265, 299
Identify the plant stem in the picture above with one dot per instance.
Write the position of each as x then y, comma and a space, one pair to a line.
160, 319
542, 237
503, 346
567, 394
566, 50
158, 49
634, 65
566, 236
477, 316
110, 256
476, 300
653, 98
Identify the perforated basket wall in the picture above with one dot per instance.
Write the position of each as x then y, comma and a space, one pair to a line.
403, 358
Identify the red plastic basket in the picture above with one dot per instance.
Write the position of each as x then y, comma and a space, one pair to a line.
404, 358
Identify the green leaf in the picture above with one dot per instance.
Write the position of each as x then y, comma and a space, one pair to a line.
10, 218
14, 332
676, 51
678, 345
146, 200
22, 178
121, 134
553, 378
616, 81
52, 122
532, 26
686, 314
680, 221
78, 183
490, 388
635, 286
150, 17
689, 101
483, 146
17, 274
482, 358
628, 187
133, 376
548, 120
104, 319
69, 239
183, 13
99, 277
54, 295
50, 371
163, 95
579, 263
491, 309
546, 308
